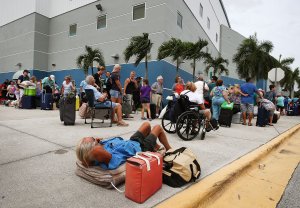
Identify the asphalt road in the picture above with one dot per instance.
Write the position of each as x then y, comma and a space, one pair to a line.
291, 196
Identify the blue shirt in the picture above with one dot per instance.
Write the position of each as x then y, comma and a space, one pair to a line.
250, 89
120, 151
97, 94
280, 101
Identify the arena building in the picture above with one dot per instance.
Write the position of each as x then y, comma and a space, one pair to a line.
46, 36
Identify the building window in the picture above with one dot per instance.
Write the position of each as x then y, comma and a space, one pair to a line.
201, 10
179, 19
217, 37
73, 30
139, 11
101, 22
208, 23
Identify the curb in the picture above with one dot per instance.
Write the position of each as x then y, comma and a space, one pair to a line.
200, 194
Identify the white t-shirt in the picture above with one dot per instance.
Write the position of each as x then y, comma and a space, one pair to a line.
199, 90
193, 96
67, 87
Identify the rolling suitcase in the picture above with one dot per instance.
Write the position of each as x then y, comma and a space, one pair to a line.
143, 176
46, 101
152, 111
262, 117
28, 102
236, 118
69, 113
225, 117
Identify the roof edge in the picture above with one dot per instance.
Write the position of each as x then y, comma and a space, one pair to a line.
223, 7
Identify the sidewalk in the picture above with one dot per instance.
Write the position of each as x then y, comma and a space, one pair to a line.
33, 173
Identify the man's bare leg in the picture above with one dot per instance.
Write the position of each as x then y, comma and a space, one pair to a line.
250, 119
244, 117
160, 134
145, 129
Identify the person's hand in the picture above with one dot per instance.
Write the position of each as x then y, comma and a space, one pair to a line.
228, 101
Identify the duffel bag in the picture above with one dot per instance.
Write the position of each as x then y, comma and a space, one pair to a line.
180, 167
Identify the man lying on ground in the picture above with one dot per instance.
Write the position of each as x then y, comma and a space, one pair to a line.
102, 102
111, 153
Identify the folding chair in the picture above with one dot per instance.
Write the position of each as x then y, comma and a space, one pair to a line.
105, 112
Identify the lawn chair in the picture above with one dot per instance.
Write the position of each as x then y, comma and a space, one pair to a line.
102, 113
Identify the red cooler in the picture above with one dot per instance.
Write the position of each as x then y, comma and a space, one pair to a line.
143, 176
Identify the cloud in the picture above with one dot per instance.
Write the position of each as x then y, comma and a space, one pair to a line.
274, 20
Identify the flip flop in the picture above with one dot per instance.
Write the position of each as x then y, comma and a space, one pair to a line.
123, 124
244, 124
249, 124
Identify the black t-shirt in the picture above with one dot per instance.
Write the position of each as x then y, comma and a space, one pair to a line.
114, 77
22, 79
97, 79
130, 87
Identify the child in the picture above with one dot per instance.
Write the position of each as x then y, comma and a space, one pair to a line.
145, 98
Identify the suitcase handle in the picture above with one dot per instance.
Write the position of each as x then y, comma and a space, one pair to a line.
143, 158
152, 155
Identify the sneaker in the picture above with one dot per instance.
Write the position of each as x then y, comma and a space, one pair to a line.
208, 128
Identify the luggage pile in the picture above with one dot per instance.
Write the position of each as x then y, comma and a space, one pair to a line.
225, 117
145, 172
28, 100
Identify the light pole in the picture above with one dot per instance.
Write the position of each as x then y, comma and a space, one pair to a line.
276, 75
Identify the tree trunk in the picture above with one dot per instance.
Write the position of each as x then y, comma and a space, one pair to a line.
92, 70
177, 67
292, 91
194, 69
146, 66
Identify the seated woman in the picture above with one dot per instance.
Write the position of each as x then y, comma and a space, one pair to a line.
196, 98
110, 154
101, 99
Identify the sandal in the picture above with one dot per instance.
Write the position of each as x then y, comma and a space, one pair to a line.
270, 124
122, 124
244, 124
249, 124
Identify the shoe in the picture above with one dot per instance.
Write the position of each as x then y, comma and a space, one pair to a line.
143, 118
149, 119
208, 128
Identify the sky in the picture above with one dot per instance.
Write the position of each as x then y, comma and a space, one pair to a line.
275, 20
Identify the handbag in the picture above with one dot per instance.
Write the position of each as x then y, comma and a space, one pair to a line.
227, 106
143, 176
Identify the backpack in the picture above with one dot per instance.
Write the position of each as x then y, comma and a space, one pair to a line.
181, 105
180, 167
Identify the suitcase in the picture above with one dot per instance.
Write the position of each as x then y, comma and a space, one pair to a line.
46, 101
236, 118
275, 118
67, 110
225, 117
28, 102
262, 117
152, 111
143, 176
37, 100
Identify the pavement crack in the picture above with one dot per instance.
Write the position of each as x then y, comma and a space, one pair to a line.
37, 137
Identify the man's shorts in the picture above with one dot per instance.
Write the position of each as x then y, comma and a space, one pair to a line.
247, 107
147, 144
106, 104
115, 94
156, 99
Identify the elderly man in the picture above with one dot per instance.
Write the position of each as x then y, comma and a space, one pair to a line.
201, 87
48, 84
157, 91
104, 103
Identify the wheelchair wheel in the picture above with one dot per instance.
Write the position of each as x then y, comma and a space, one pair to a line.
188, 125
167, 124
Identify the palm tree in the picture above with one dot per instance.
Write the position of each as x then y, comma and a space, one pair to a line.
217, 64
139, 46
289, 80
194, 52
86, 60
253, 58
173, 48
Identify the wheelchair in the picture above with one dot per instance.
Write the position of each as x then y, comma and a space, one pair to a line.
188, 125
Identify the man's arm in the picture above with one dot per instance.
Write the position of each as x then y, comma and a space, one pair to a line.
99, 154
125, 85
118, 83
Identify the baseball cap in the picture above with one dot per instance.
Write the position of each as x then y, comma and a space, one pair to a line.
52, 77
159, 77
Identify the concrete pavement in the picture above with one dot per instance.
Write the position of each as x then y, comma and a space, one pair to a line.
37, 158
